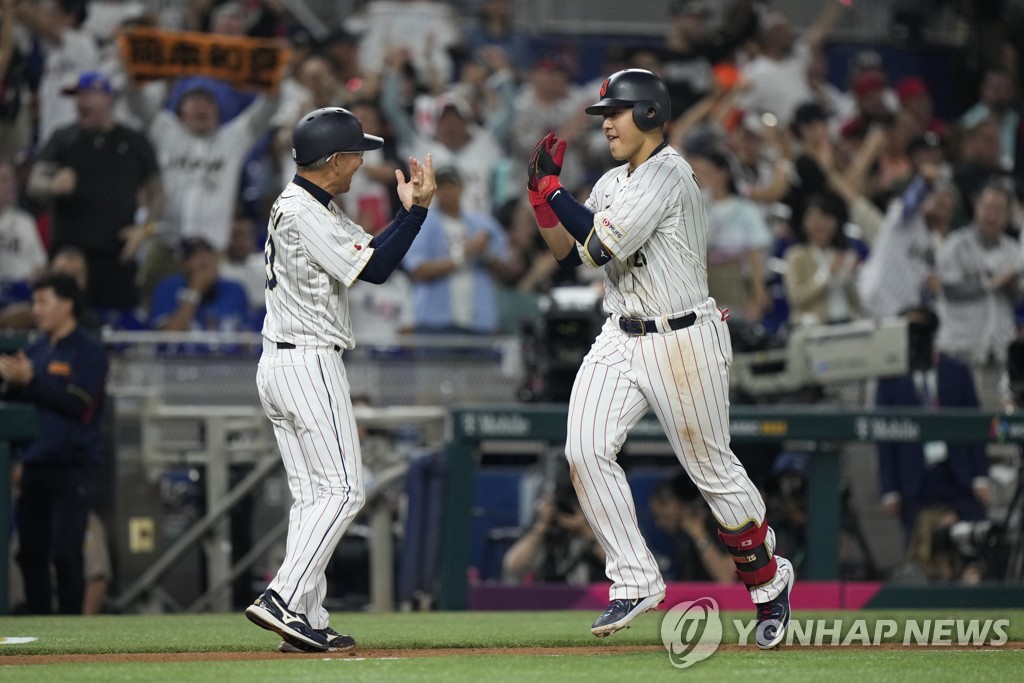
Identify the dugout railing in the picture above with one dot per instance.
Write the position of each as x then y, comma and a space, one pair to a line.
822, 425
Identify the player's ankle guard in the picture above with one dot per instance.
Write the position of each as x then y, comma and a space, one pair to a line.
755, 564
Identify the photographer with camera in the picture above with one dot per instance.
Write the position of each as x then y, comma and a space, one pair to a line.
560, 546
698, 553
930, 486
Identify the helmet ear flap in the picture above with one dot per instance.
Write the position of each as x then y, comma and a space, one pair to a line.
643, 116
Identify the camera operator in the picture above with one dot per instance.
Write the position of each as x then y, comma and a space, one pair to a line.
934, 484
559, 547
698, 554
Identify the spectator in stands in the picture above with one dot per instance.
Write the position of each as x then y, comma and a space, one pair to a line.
763, 155
453, 264
369, 199
69, 261
899, 273
104, 22
691, 48
778, 74
341, 46
698, 552
816, 153
96, 173
243, 263
550, 101
922, 481
381, 314
69, 51
22, 257
63, 372
821, 268
202, 162
978, 163
832, 99
199, 298
916, 101
15, 119
996, 103
259, 19
559, 547
980, 268
450, 133
424, 31
494, 26
316, 73
489, 85
737, 242
871, 105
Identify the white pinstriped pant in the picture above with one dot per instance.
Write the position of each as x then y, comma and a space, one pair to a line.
305, 393
683, 376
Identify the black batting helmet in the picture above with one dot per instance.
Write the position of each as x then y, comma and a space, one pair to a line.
325, 131
637, 88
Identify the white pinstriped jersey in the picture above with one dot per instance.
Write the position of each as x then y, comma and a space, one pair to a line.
654, 224
313, 255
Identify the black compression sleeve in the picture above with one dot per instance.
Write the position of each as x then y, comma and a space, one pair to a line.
574, 217
386, 232
571, 260
389, 251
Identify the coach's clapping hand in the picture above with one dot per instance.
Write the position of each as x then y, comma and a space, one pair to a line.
419, 188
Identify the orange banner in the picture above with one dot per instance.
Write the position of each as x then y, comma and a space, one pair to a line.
248, 63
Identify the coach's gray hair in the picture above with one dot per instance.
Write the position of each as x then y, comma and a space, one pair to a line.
316, 164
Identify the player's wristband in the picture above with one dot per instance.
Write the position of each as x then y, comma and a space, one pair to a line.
542, 211
547, 185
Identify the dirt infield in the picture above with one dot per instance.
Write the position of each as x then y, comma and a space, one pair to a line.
21, 660
164, 657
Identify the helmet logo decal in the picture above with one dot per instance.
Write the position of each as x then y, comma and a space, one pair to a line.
604, 87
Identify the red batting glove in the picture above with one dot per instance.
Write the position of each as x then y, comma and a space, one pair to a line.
547, 185
542, 211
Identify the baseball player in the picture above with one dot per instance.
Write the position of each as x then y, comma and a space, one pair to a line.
664, 347
314, 253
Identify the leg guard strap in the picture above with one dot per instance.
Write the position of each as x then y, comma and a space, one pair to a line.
754, 564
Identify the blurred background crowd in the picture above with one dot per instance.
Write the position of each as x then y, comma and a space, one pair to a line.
839, 186
843, 182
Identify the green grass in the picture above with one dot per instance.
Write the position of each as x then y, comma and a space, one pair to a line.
232, 632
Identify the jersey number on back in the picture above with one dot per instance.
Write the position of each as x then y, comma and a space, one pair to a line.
269, 253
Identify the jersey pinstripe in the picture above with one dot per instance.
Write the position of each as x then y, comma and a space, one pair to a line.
654, 224
313, 254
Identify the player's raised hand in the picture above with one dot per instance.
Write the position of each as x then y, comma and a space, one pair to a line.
531, 170
546, 160
419, 188
549, 160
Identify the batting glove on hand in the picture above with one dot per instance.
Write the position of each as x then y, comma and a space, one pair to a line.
546, 163
542, 211
531, 170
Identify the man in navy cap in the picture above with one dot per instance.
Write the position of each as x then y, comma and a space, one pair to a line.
93, 173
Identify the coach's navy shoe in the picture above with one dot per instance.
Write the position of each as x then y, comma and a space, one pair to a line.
621, 612
270, 612
773, 616
336, 642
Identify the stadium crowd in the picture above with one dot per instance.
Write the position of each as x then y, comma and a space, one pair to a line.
828, 201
